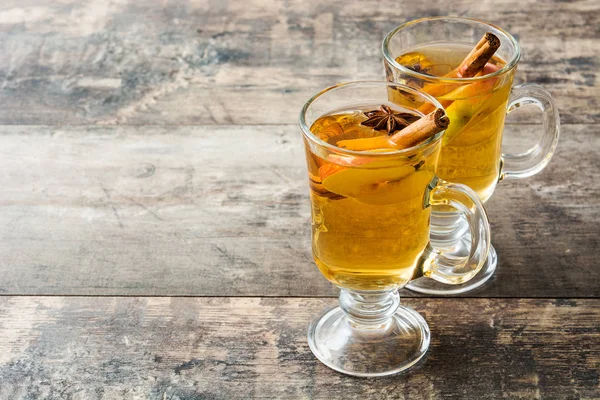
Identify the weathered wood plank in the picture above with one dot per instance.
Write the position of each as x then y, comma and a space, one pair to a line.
235, 348
251, 61
223, 211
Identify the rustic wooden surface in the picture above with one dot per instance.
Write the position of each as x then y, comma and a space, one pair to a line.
204, 211
224, 348
182, 62
150, 148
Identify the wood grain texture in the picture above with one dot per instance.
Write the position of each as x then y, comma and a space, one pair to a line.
224, 211
221, 209
174, 348
182, 62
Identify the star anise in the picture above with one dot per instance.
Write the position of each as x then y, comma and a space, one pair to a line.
386, 119
418, 68
416, 81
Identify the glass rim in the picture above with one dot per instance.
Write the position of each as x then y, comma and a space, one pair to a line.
320, 142
392, 61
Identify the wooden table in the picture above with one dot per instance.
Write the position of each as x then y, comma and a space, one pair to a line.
154, 218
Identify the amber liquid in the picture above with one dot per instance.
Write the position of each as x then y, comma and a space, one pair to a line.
471, 147
370, 220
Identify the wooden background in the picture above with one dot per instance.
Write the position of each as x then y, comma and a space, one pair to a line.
154, 219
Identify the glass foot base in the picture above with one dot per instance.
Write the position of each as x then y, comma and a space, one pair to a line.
378, 349
429, 286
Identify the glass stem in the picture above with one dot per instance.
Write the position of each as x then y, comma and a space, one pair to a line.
369, 310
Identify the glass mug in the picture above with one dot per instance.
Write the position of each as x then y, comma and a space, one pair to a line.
374, 238
471, 151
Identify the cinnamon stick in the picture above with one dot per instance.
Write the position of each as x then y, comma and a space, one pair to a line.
472, 65
413, 134
479, 56
427, 126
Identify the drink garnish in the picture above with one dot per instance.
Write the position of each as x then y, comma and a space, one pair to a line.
474, 64
420, 69
417, 131
415, 82
479, 56
386, 119
422, 129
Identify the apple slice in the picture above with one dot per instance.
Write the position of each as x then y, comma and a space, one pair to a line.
446, 93
356, 182
470, 117
393, 192
352, 161
466, 102
373, 143
473, 89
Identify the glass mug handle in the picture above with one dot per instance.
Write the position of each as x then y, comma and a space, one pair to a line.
451, 269
523, 165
